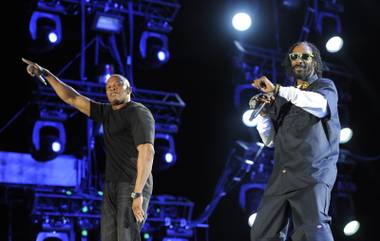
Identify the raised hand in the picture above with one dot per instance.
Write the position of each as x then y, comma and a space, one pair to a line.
263, 84
34, 70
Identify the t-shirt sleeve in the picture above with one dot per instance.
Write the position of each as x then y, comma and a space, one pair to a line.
142, 126
328, 90
98, 111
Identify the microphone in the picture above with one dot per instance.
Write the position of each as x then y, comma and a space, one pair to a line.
37, 73
257, 105
257, 111
42, 79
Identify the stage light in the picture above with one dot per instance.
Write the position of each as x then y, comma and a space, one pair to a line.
45, 30
344, 214
84, 209
162, 55
351, 228
107, 23
169, 157
245, 118
241, 21
49, 139
329, 26
53, 37
250, 198
146, 236
164, 148
56, 146
104, 72
334, 44
252, 219
154, 49
345, 135
84, 232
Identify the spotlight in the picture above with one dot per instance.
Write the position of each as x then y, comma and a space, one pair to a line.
249, 199
45, 30
252, 219
103, 72
49, 139
241, 21
53, 37
84, 233
165, 156
245, 118
154, 49
351, 228
329, 24
345, 214
345, 135
107, 23
334, 44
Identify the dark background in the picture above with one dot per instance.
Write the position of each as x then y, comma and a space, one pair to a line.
201, 72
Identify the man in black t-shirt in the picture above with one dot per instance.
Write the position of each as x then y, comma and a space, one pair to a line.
301, 122
129, 139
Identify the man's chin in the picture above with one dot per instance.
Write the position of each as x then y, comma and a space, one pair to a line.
300, 75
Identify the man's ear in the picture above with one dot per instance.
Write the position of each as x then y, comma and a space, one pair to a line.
129, 90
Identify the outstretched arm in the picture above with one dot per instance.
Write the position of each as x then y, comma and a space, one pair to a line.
64, 91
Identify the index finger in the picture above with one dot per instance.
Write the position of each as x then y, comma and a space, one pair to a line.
27, 61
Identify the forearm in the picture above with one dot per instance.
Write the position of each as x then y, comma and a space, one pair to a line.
311, 102
64, 91
144, 165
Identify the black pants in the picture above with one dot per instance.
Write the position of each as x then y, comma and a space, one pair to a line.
308, 208
117, 220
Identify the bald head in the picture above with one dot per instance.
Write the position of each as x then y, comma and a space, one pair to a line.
118, 90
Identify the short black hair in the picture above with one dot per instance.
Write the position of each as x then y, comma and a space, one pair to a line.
319, 67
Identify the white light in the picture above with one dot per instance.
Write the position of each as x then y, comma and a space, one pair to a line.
241, 21
161, 55
334, 44
56, 146
169, 157
249, 162
53, 37
251, 219
245, 118
351, 228
345, 135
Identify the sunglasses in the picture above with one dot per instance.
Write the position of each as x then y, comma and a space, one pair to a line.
302, 56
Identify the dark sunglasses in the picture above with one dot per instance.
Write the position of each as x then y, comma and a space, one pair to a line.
302, 56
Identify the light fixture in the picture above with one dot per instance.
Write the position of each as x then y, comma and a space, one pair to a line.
164, 148
329, 26
49, 140
107, 23
241, 21
154, 49
45, 30
250, 198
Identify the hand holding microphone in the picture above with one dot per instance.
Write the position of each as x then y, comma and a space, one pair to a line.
35, 70
259, 101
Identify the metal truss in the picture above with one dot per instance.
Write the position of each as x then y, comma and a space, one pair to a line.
166, 107
75, 205
269, 61
160, 10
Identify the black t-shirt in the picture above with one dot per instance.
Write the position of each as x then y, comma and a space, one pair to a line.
306, 147
124, 130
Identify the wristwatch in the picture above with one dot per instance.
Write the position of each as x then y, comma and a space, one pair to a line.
135, 195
